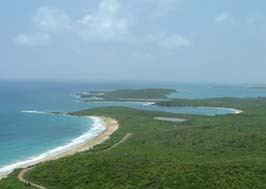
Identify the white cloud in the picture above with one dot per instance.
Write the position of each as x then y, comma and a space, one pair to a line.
37, 39
109, 7
170, 41
106, 23
224, 17
52, 20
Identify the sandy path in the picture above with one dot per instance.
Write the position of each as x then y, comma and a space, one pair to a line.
126, 137
22, 179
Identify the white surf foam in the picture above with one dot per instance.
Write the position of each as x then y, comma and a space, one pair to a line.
97, 127
148, 103
33, 112
43, 113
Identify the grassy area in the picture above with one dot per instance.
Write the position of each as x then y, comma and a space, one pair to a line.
13, 183
130, 93
225, 151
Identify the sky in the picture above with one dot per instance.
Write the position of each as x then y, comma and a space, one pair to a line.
134, 40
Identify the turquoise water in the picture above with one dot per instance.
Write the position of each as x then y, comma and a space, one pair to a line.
24, 135
27, 135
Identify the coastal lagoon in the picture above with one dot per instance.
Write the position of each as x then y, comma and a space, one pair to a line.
26, 130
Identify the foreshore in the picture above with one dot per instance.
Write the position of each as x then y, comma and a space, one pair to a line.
110, 126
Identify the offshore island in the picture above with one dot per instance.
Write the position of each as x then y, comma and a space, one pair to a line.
152, 149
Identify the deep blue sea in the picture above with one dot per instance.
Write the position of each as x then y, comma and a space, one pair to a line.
25, 134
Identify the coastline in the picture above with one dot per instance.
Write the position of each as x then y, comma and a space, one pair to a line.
107, 127
234, 111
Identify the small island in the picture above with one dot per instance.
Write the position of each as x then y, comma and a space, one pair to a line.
156, 94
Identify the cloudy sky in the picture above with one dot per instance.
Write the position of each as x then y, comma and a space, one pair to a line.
168, 40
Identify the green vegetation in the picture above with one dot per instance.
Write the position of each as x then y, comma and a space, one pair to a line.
130, 94
13, 183
225, 151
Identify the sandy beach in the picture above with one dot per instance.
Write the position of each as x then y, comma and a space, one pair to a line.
110, 126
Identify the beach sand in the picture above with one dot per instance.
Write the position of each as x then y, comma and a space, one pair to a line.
110, 125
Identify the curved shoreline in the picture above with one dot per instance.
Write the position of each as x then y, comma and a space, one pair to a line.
234, 111
104, 126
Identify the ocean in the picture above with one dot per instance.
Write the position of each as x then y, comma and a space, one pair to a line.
28, 132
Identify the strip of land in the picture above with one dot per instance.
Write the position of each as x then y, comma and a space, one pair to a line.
153, 95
